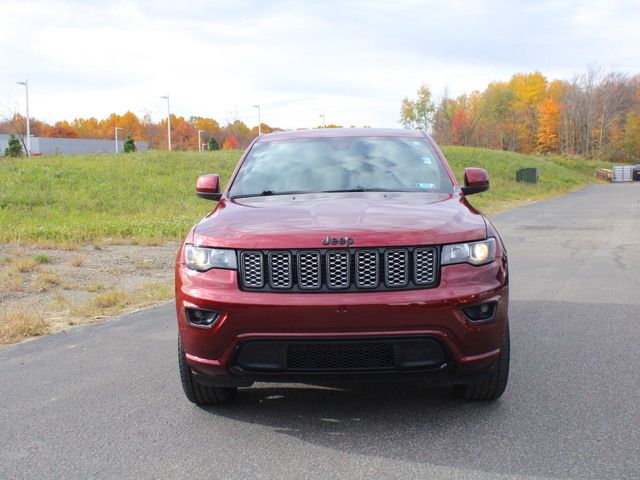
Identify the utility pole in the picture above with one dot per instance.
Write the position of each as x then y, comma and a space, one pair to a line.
200, 140
26, 86
166, 97
324, 123
259, 121
116, 129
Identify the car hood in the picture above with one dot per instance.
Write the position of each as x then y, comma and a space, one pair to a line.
372, 219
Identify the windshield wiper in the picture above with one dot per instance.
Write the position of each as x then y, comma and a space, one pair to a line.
268, 193
265, 193
361, 189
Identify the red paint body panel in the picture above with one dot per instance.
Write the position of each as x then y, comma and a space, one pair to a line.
371, 219
208, 184
476, 177
432, 312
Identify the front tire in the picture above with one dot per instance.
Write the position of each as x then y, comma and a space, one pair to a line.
493, 387
201, 394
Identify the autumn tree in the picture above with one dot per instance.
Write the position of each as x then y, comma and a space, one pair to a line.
529, 89
239, 130
460, 128
231, 143
499, 128
208, 125
16, 125
629, 147
418, 113
63, 129
264, 129
88, 127
548, 126
442, 117
184, 135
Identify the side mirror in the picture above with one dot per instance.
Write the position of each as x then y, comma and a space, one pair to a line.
476, 180
208, 186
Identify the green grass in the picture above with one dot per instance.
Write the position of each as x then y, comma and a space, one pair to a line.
149, 197
143, 196
558, 175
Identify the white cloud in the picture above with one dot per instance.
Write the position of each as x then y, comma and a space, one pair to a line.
352, 61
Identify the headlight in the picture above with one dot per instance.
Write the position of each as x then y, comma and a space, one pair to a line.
475, 253
204, 258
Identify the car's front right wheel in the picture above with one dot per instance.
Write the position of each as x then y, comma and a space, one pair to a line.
494, 386
201, 394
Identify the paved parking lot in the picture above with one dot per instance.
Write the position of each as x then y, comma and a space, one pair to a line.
104, 401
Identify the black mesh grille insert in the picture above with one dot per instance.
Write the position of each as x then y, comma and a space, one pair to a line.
340, 356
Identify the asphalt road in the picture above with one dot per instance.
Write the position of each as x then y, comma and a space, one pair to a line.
104, 401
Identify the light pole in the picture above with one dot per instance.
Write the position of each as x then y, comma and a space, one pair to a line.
116, 129
200, 140
26, 86
166, 97
259, 129
324, 122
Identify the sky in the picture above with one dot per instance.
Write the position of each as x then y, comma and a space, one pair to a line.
352, 62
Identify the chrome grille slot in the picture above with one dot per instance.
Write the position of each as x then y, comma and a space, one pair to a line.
280, 270
338, 264
252, 264
309, 274
424, 265
367, 269
396, 268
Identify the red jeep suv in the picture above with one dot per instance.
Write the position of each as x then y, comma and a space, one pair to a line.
341, 255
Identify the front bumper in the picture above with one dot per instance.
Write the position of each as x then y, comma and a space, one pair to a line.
432, 314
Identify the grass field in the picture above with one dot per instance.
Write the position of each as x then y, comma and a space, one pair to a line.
149, 197
558, 175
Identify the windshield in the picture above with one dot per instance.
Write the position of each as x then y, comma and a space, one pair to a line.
341, 164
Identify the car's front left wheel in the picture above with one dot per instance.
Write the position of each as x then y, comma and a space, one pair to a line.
494, 386
198, 393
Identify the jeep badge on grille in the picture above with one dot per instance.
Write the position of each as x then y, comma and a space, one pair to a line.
338, 241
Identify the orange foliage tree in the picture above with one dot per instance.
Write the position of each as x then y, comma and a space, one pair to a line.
595, 114
548, 126
231, 143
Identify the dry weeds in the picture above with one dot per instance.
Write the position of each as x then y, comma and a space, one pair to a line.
12, 280
77, 261
78, 287
45, 281
21, 323
25, 264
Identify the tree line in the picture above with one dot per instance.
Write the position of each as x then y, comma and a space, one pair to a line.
184, 131
596, 114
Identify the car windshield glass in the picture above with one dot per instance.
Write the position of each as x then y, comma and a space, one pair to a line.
341, 164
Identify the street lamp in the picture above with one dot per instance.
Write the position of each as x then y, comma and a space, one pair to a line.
26, 86
166, 97
116, 129
199, 140
324, 123
259, 130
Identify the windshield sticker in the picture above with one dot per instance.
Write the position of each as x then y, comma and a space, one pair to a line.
425, 186
426, 160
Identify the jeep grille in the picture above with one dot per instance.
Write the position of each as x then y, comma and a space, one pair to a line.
353, 269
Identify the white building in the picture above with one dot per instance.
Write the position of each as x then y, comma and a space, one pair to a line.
71, 146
